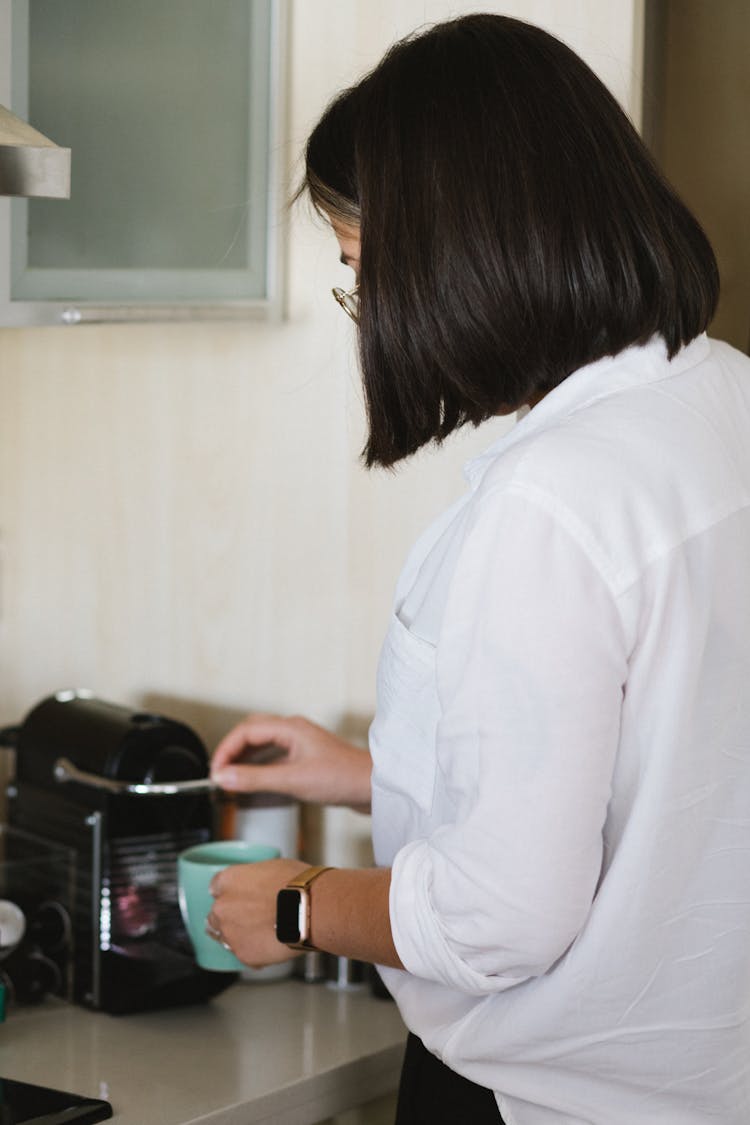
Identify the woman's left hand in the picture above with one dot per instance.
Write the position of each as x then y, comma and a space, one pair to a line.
244, 910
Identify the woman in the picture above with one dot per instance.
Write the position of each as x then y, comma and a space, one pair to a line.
560, 754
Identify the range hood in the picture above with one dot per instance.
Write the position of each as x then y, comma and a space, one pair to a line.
30, 164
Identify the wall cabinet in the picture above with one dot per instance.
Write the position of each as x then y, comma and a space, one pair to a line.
173, 112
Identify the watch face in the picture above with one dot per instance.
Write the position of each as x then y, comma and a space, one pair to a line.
288, 904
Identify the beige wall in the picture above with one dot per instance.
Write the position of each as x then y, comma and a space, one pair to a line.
183, 521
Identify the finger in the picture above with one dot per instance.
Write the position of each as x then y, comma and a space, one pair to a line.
213, 928
222, 881
255, 731
272, 778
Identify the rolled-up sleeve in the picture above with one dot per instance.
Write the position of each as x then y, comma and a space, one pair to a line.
531, 666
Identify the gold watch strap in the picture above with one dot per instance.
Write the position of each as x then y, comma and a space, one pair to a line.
305, 878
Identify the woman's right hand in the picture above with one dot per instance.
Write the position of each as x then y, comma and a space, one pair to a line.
312, 764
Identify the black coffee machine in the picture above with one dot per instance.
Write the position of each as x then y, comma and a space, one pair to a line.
127, 791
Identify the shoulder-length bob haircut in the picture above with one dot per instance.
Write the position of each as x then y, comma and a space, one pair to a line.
513, 227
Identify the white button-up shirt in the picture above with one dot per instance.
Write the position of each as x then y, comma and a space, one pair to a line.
562, 754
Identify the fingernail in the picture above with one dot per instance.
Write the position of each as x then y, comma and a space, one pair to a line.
227, 779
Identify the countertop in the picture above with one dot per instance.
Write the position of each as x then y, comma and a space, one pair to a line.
283, 1053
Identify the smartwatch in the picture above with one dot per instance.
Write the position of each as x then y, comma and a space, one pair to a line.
293, 919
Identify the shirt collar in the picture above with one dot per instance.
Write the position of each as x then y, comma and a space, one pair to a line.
635, 366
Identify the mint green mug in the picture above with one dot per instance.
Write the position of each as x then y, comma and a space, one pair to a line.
196, 868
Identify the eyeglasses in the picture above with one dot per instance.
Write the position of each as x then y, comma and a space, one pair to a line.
349, 301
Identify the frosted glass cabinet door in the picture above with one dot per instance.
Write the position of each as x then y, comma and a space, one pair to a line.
170, 109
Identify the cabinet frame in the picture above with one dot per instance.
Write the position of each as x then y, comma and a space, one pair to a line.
270, 307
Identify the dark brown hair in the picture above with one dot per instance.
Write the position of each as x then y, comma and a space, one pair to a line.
513, 227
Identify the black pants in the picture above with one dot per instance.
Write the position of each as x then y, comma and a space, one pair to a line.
432, 1094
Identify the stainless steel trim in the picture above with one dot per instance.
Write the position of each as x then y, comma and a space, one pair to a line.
65, 771
181, 311
30, 164
94, 821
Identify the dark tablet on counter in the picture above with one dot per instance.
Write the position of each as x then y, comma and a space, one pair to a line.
24, 1104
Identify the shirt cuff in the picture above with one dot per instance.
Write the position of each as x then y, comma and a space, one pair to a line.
417, 932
